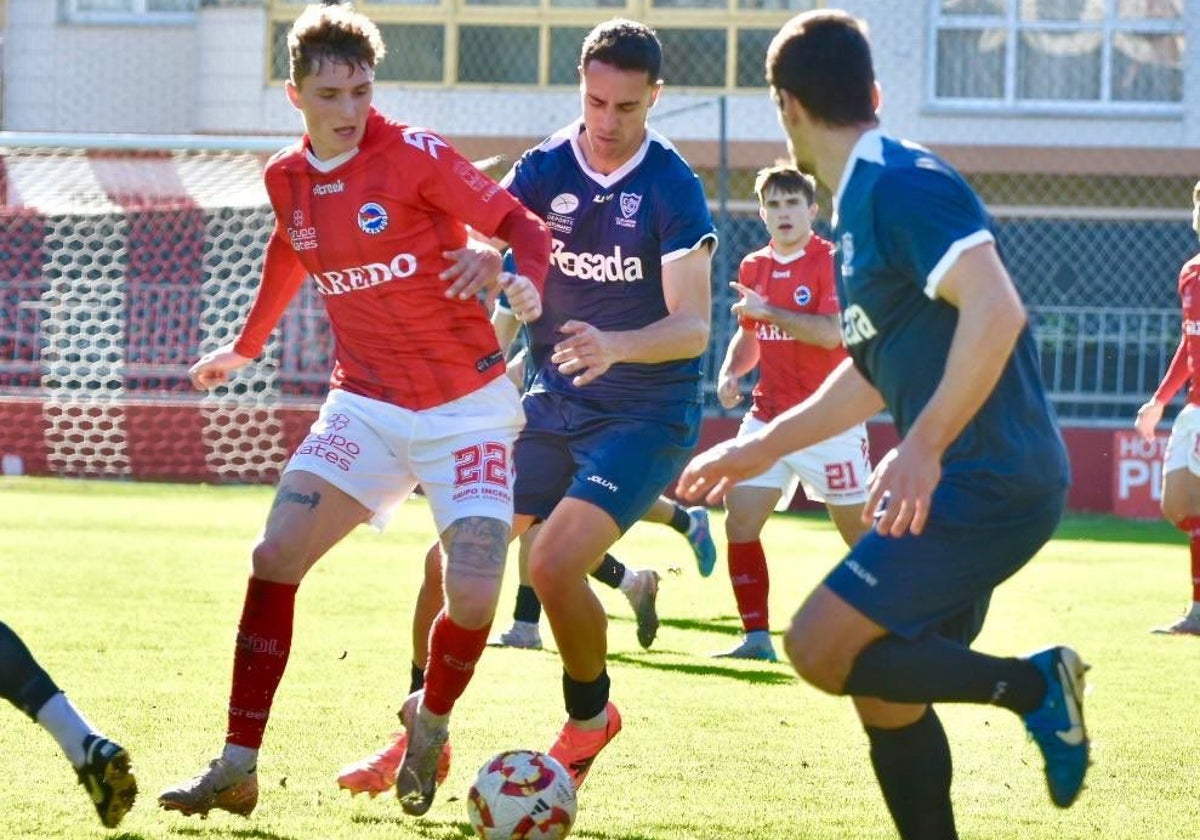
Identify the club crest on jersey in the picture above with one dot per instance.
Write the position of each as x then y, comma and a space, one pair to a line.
372, 218
847, 255
564, 203
629, 202
802, 295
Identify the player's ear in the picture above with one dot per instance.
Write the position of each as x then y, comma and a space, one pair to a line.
655, 91
876, 97
293, 93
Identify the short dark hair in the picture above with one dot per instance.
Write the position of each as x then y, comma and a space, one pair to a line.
786, 178
823, 59
332, 32
624, 44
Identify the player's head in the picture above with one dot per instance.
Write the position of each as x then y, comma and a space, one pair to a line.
787, 204
619, 66
820, 61
332, 52
1196, 208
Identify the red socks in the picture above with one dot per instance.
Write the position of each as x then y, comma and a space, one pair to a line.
264, 640
751, 584
1191, 527
453, 652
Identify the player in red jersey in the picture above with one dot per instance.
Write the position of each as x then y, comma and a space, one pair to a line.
1181, 461
788, 328
376, 212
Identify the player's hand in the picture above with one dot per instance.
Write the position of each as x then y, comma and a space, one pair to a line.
1148, 418
712, 473
728, 392
586, 353
472, 269
213, 368
900, 488
750, 304
524, 300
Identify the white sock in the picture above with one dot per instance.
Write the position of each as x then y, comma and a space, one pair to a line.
600, 721
629, 579
68, 726
243, 758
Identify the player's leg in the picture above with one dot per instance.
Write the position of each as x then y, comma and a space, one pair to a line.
308, 517
747, 508
102, 766
692, 523
893, 621
376, 773
527, 612
911, 759
1181, 506
462, 455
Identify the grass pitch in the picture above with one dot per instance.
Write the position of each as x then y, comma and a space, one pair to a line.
129, 595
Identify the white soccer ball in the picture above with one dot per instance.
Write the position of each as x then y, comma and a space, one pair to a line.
522, 795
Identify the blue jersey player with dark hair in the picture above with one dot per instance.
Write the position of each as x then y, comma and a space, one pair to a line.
614, 410
937, 335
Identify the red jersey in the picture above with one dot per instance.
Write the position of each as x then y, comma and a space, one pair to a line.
370, 233
790, 370
1186, 362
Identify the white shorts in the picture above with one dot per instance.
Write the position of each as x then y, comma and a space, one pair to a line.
1183, 447
834, 471
460, 453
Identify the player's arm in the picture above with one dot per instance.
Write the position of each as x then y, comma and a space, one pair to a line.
809, 328
990, 319
741, 357
844, 399
1151, 412
282, 276
588, 352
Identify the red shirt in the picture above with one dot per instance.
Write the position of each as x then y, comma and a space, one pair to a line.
1186, 362
790, 370
370, 233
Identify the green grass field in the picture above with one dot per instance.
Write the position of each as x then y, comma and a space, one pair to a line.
129, 595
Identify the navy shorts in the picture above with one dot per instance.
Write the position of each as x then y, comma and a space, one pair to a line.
941, 581
619, 458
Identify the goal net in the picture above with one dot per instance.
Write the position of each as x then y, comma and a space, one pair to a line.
118, 267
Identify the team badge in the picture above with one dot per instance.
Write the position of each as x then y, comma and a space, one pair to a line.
630, 202
847, 255
372, 218
802, 295
564, 203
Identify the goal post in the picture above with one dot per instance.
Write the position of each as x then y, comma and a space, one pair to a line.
122, 258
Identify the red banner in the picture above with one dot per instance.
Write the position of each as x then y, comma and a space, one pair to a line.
1137, 470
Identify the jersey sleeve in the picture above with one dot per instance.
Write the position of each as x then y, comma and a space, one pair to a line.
452, 184
926, 217
522, 183
1176, 375
684, 221
826, 288
747, 274
281, 277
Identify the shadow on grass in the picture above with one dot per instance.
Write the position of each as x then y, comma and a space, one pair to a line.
755, 675
413, 827
225, 831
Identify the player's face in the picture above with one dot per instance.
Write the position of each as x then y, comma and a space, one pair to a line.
334, 101
788, 217
615, 106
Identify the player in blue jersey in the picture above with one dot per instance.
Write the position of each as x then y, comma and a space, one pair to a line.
938, 336
614, 408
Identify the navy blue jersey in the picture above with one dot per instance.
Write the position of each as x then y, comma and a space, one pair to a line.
902, 217
612, 234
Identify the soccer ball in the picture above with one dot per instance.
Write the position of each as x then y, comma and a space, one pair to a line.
522, 795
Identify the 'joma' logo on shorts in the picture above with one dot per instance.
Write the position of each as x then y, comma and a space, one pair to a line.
866, 577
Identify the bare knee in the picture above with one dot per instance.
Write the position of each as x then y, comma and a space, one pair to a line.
818, 664
271, 559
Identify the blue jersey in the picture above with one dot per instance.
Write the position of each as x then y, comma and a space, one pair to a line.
612, 235
902, 217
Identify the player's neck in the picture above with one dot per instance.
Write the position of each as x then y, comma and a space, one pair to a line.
790, 250
831, 151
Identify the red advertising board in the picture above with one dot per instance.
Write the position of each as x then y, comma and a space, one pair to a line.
1137, 467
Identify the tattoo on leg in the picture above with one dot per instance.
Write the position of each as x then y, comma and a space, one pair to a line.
287, 494
476, 546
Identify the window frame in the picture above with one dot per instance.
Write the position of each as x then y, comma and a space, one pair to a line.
1011, 103
139, 14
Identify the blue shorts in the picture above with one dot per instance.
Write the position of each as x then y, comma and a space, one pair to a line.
619, 458
941, 581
